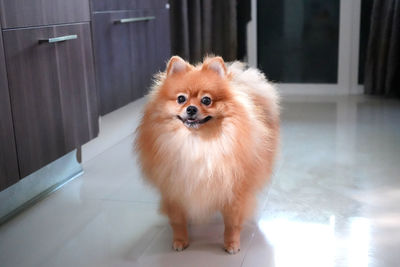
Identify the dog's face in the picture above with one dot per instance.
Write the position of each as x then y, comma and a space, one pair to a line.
196, 96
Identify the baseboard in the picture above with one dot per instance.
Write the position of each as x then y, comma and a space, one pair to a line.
38, 185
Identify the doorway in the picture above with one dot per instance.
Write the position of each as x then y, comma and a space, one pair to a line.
310, 46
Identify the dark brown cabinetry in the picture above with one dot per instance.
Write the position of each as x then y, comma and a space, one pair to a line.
8, 156
109, 5
25, 13
52, 91
129, 47
53, 83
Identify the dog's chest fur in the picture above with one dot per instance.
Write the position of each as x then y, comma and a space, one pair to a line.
199, 171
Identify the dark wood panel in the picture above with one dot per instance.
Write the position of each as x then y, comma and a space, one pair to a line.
127, 55
8, 155
112, 53
162, 36
77, 82
52, 92
23, 13
154, 50
106, 5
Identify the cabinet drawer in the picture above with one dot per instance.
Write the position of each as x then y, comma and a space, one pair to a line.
52, 91
107, 5
24, 13
129, 47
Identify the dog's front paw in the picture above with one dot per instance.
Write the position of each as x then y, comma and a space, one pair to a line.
232, 248
179, 245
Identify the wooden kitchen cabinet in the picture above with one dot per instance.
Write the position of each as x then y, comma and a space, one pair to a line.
110, 5
129, 47
8, 155
49, 105
26, 13
52, 88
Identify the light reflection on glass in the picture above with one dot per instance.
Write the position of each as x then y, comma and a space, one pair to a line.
300, 243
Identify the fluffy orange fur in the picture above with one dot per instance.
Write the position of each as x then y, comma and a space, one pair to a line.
218, 165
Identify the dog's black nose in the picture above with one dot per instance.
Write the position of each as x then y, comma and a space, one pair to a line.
191, 110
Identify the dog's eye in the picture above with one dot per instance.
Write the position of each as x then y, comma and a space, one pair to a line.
181, 99
206, 100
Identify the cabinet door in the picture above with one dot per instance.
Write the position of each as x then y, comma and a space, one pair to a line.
130, 46
8, 154
52, 91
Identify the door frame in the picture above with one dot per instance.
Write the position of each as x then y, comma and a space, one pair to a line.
349, 38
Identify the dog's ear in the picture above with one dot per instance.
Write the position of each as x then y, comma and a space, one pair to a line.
177, 65
215, 64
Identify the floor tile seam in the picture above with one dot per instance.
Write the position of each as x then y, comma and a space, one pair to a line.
138, 260
131, 135
128, 201
248, 248
76, 229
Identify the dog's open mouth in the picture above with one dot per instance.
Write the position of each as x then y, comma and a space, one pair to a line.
194, 122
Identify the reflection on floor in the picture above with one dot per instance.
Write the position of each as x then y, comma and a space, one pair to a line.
334, 201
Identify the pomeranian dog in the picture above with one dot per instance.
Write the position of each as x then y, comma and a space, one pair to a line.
207, 141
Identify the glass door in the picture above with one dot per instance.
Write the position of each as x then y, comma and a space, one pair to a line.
307, 46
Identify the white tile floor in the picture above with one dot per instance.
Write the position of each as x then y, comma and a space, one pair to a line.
334, 201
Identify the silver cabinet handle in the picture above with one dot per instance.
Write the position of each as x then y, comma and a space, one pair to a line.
128, 20
59, 39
